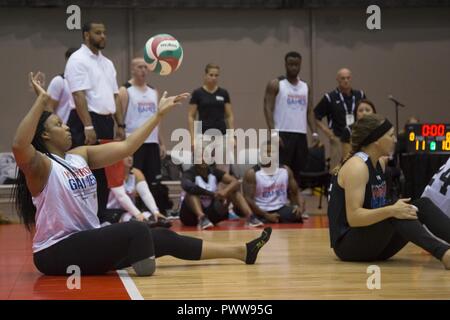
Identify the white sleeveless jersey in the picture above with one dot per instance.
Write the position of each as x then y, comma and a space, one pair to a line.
291, 105
271, 189
67, 205
142, 105
210, 185
130, 189
438, 190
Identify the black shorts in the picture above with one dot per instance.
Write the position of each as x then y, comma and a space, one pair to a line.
216, 212
286, 215
294, 152
148, 160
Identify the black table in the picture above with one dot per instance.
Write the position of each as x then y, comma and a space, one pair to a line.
418, 169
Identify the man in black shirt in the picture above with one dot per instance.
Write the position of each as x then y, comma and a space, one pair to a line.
338, 106
204, 204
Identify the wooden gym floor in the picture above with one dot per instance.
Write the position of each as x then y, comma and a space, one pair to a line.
297, 263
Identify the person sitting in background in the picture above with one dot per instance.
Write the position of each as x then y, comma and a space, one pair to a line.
363, 108
121, 202
204, 204
272, 193
438, 190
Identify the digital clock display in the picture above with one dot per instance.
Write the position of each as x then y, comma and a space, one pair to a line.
428, 138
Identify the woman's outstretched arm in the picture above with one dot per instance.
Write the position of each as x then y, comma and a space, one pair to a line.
100, 156
34, 165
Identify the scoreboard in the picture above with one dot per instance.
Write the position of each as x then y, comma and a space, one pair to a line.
428, 138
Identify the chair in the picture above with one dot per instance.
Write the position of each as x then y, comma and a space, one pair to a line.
316, 173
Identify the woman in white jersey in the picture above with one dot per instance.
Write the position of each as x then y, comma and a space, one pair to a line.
56, 192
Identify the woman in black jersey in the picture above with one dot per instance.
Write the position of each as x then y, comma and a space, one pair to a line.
363, 226
211, 105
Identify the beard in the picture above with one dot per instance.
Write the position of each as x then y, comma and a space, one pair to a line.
98, 45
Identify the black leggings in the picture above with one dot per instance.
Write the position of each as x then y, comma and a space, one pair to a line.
114, 247
384, 239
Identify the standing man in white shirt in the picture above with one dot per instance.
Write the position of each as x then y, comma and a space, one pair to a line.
92, 80
287, 109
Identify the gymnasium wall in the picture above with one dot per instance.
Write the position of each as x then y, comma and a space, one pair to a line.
408, 58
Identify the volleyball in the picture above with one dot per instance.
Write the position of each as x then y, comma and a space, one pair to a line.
163, 54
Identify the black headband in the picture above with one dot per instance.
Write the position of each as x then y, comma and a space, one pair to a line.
377, 133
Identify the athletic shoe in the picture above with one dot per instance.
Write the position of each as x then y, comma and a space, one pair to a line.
172, 215
254, 222
305, 216
204, 223
232, 216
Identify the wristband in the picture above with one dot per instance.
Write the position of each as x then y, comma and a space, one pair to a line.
89, 128
315, 134
122, 126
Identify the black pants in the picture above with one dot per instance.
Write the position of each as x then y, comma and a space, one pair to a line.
287, 215
114, 247
384, 239
103, 126
294, 152
216, 212
147, 159
104, 129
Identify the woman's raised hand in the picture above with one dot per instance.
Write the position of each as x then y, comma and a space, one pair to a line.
167, 103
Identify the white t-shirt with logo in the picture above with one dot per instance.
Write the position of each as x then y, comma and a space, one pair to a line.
142, 105
291, 107
271, 188
68, 203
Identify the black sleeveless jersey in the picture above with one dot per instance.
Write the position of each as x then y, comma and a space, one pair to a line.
375, 197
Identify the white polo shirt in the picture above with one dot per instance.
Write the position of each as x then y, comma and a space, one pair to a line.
96, 76
58, 89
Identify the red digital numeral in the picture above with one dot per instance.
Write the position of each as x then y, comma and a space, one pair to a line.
433, 130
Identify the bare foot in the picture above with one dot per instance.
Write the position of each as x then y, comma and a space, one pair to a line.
446, 260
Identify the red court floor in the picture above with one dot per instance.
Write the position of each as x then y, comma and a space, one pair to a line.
19, 279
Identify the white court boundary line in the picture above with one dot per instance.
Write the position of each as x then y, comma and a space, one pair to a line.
129, 285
